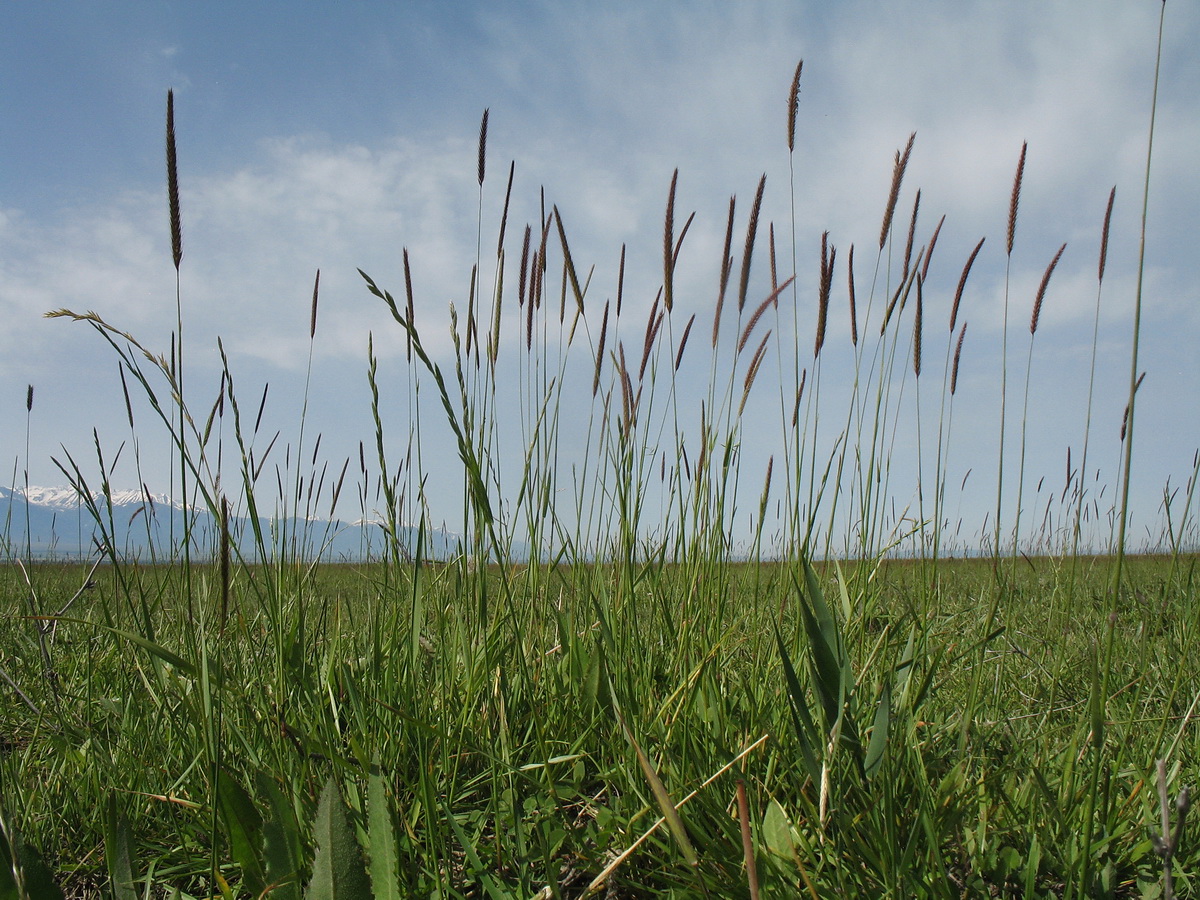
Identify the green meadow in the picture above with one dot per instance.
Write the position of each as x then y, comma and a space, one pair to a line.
645, 670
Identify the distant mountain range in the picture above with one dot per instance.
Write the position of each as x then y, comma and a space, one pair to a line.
58, 522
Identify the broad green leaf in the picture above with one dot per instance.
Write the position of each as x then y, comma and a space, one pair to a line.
777, 831
338, 871
243, 826
879, 733
19, 859
381, 837
117, 853
283, 848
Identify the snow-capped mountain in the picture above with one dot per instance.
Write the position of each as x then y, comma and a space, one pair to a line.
59, 522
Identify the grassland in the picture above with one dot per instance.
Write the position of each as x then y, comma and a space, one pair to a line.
506, 769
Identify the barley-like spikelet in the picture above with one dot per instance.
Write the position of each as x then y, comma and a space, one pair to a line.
912, 277
494, 337
1112, 195
483, 144
562, 296
748, 250
799, 396
774, 271
570, 264
524, 266
853, 304
962, 333
726, 268
312, 321
652, 326
752, 371
772, 299
600, 350
512, 169
621, 281
793, 106
1125, 417
472, 335
962, 283
533, 286
917, 327
767, 481
540, 261
828, 256
683, 341
894, 194
29, 395
669, 246
124, 391
932, 244
409, 308
1041, 291
1015, 199
173, 184
912, 233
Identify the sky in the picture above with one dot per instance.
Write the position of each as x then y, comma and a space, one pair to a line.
336, 137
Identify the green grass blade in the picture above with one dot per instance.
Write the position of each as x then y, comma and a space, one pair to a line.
806, 730
879, 733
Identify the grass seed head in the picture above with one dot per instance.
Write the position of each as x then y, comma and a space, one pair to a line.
1015, 199
1041, 291
173, 184
793, 107
898, 168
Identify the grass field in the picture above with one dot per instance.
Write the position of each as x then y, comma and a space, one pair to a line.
513, 752
697, 681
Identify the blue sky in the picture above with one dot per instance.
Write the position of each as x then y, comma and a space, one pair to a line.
333, 137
